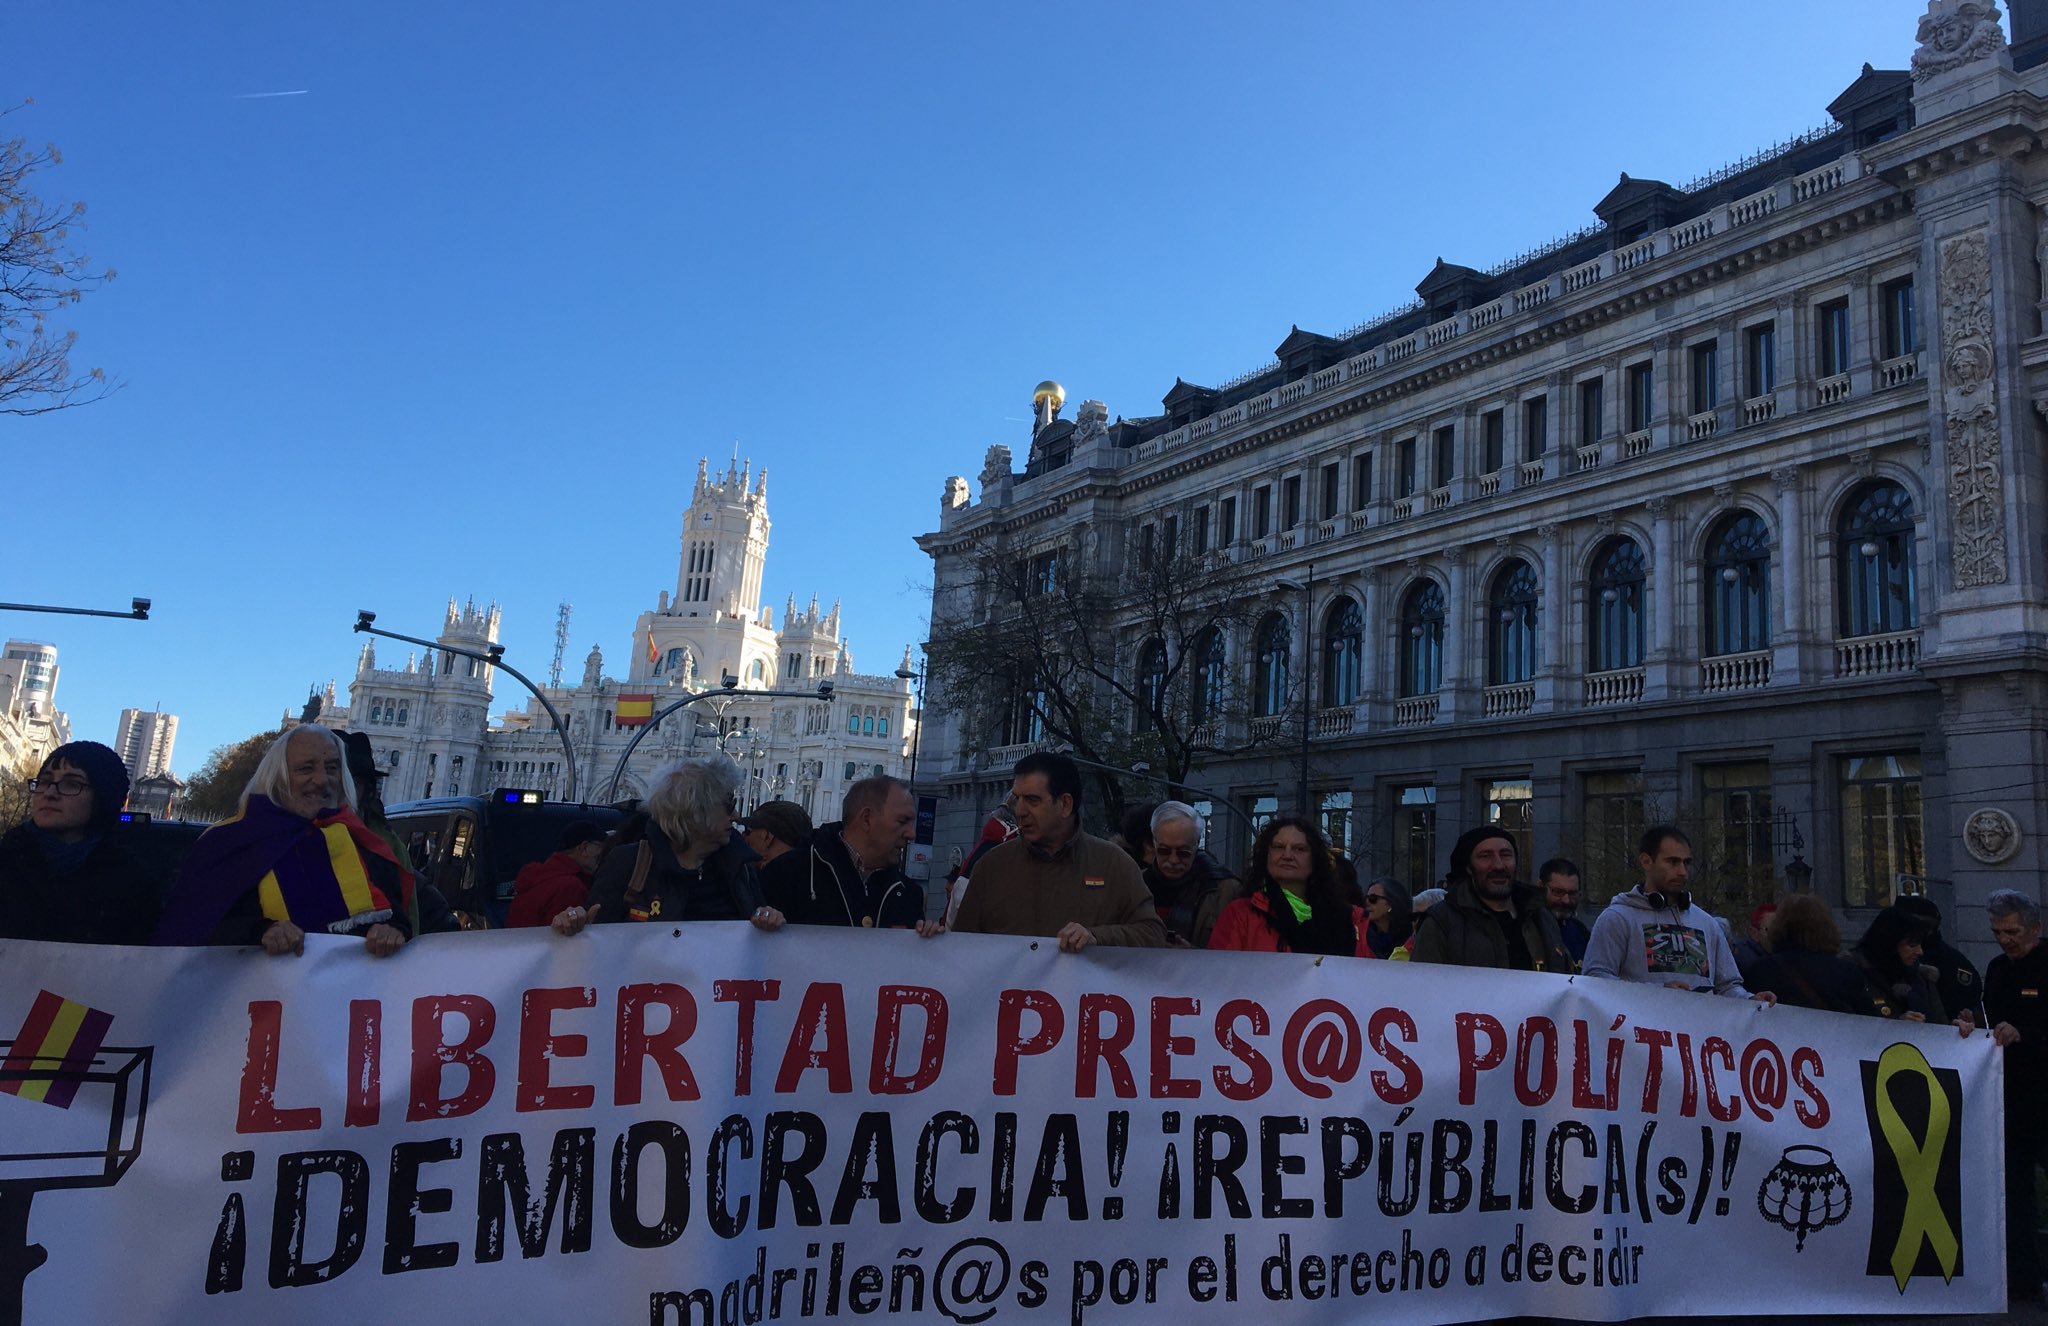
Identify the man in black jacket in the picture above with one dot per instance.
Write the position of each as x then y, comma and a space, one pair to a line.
2016, 999
1490, 918
848, 873
1958, 984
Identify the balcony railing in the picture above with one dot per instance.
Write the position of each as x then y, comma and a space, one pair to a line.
1636, 444
1404, 507
1529, 471
1702, 425
1831, 390
1620, 686
1265, 729
1586, 458
1439, 498
1416, 711
1898, 372
1489, 484
1760, 409
1203, 736
1878, 655
1504, 701
1355, 522
1336, 721
1736, 672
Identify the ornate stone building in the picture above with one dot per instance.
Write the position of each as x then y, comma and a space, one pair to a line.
1729, 507
429, 720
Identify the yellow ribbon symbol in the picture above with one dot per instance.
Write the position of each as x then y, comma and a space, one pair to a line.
1919, 1161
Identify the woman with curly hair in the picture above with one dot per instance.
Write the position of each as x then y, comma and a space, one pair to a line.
1293, 901
1804, 966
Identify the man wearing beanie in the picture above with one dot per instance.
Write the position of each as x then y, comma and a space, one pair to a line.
67, 875
1489, 917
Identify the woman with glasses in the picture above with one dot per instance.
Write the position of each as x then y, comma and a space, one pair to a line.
1389, 917
67, 874
1293, 902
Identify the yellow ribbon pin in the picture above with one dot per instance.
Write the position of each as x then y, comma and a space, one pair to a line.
1919, 1160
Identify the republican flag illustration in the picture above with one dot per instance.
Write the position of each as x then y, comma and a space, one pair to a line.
49, 1056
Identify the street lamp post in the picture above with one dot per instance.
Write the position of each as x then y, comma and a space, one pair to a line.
1308, 655
917, 733
138, 610
728, 688
495, 657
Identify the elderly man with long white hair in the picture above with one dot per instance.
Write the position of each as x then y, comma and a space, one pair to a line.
691, 866
295, 858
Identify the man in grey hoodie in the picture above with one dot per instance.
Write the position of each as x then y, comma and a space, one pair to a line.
1656, 935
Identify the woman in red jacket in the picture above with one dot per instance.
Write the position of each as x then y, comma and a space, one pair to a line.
1293, 902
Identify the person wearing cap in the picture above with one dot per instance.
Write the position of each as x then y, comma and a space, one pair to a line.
848, 874
1490, 917
66, 874
546, 889
774, 828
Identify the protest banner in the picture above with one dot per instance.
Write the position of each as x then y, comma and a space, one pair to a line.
711, 1124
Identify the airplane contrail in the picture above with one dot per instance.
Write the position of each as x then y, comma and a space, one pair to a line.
251, 96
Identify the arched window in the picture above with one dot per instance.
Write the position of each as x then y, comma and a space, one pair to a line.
1270, 648
1875, 548
1738, 587
853, 724
1615, 607
1151, 683
670, 662
401, 715
376, 711
882, 725
1422, 639
867, 725
757, 670
1511, 625
1343, 647
1210, 680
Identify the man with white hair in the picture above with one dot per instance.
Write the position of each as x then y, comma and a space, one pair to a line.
1189, 887
294, 858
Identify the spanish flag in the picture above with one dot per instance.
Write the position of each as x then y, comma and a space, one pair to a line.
51, 1053
634, 710
653, 654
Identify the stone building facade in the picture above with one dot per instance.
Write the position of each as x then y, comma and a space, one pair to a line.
825, 726
1729, 508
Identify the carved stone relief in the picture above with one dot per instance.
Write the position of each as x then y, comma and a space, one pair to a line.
1976, 476
1992, 836
1954, 33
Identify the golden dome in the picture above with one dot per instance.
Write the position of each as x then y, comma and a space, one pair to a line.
1049, 390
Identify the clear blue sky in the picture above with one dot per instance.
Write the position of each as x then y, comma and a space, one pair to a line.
462, 317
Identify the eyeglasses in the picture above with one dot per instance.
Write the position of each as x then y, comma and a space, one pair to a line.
1375, 897
63, 787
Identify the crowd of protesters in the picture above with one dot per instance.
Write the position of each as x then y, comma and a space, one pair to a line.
309, 851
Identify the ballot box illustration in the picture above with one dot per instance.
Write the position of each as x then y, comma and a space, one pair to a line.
71, 1112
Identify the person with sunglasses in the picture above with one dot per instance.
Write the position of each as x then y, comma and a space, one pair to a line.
66, 874
1389, 918
1189, 887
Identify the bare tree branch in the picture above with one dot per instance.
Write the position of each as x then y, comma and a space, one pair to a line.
41, 274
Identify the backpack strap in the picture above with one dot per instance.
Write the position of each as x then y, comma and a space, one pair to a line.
636, 885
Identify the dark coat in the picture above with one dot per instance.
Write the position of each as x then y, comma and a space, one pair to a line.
108, 899
1464, 932
817, 883
1895, 998
1802, 978
722, 889
1190, 905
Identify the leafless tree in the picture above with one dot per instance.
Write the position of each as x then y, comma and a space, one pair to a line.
41, 274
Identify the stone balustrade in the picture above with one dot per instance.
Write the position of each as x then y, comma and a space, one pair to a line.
1583, 276
1489, 484
1441, 333
1878, 655
1506, 701
1619, 686
1703, 425
1760, 409
1267, 727
1336, 721
1586, 458
1632, 256
1355, 522
1736, 672
1529, 471
1688, 233
1404, 507
1636, 444
1832, 391
1416, 711
1899, 371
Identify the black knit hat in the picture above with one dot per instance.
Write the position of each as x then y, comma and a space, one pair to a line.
103, 769
362, 761
1468, 843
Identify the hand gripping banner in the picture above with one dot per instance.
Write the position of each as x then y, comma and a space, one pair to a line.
715, 1125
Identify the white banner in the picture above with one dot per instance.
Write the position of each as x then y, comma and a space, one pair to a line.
642, 1124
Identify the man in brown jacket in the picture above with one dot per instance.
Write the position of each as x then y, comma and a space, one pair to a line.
1052, 879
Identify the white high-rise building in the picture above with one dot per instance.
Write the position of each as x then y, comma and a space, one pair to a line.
145, 742
30, 724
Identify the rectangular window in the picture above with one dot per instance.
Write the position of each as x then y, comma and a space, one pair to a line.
1414, 836
1613, 816
1290, 489
1831, 338
1760, 359
1148, 545
1169, 537
1226, 523
1045, 573
1706, 376
1201, 531
1510, 803
1262, 511
1738, 860
1334, 814
1901, 327
1642, 397
1446, 455
1361, 481
1881, 829
1592, 411
1261, 810
1333, 484
1493, 441
1404, 462
1535, 427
